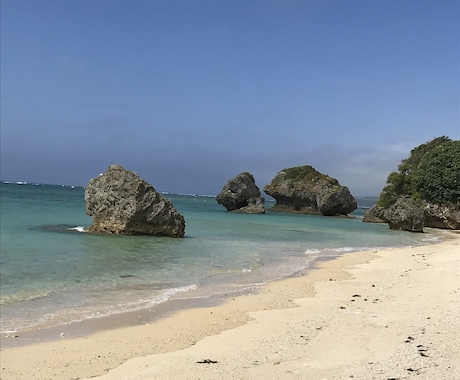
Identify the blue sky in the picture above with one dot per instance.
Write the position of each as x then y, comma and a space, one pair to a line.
190, 93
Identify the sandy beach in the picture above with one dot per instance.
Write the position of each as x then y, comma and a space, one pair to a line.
386, 314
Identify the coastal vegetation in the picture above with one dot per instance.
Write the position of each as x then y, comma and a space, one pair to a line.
424, 192
431, 173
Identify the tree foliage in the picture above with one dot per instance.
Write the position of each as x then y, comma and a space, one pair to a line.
430, 173
437, 179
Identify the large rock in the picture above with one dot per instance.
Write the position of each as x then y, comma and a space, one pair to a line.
434, 216
336, 202
303, 189
404, 215
241, 194
446, 216
120, 202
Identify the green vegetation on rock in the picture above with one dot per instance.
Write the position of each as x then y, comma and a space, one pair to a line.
431, 173
307, 174
437, 179
303, 189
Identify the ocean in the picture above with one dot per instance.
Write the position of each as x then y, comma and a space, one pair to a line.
53, 274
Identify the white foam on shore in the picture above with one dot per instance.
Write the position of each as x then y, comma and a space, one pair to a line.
70, 315
166, 294
328, 251
312, 251
431, 238
123, 307
344, 249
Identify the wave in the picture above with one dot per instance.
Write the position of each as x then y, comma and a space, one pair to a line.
142, 304
345, 249
218, 272
61, 228
188, 194
166, 294
78, 229
312, 251
431, 238
25, 295
72, 314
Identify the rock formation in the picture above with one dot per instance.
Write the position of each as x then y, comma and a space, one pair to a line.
428, 183
446, 216
240, 194
256, 205
303, 189
120, 202
434, 216
374, 215
404, 215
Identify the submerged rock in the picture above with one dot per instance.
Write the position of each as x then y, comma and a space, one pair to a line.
303, 189
241, 194
120, 202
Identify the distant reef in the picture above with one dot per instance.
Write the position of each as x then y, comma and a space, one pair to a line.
120, 202
424, 192
241, 194
302, 189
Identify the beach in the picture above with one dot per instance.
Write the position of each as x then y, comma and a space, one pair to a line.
380, 314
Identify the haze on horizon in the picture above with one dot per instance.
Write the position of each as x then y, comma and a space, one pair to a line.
190, 93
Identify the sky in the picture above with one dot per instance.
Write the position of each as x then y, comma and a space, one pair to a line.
190, 93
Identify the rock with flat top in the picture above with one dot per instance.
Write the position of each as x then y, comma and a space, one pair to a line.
302, 189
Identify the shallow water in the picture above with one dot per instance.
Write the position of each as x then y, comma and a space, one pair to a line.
53, 274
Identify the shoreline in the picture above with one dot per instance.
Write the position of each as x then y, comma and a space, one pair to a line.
241, 316
143, 316
154, 312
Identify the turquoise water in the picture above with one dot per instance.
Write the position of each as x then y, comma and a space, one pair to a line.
52, 274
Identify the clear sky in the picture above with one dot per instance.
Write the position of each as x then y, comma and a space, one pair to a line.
190, 93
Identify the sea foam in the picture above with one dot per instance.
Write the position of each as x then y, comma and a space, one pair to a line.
78, 229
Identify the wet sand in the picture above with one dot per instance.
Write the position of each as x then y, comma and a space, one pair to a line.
387, 314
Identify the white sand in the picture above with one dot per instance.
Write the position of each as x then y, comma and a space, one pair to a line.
391, 314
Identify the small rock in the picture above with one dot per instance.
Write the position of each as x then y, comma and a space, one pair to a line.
241, 194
